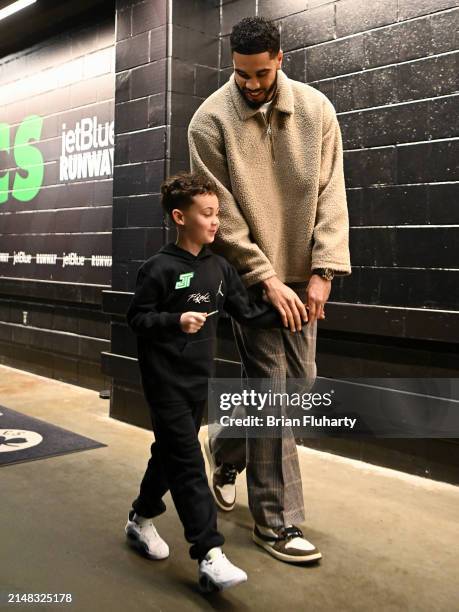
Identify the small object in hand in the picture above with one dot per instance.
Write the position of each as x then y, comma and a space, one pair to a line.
209, 314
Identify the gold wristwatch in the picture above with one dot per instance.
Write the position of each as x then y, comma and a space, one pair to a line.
326, 273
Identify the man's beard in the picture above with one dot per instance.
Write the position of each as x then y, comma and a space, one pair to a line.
258, 103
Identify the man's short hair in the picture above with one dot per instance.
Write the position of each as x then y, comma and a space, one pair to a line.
255, 35
177, 191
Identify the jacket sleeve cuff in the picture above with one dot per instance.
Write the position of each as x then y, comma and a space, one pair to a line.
170, 320
256, 276
340, 269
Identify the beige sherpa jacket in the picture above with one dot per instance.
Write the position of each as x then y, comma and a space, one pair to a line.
280, 183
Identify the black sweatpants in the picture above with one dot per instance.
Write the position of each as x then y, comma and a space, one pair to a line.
176, 463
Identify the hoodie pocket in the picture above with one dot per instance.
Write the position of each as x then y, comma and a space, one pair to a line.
193, 345
200, 353
182, 341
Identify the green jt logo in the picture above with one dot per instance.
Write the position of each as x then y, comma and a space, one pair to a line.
185, 280
27, 157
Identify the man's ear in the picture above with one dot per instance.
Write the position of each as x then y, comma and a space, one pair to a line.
178, 216
280, 57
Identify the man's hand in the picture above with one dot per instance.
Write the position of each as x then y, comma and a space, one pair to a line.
286, 301
317, 293
191, 322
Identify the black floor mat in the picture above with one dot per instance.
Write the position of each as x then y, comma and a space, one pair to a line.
24, 438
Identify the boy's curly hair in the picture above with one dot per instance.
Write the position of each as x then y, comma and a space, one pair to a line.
255, 35
177, 191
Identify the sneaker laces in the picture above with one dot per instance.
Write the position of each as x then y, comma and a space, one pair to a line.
288, 533
229, 473
221, 565
147, 523
217, 560
151, 526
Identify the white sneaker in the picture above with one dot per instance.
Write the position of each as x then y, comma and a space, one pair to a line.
142, 534
216, 572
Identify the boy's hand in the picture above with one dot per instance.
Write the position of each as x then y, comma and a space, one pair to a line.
191, 322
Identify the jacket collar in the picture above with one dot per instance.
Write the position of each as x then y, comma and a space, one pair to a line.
283, 99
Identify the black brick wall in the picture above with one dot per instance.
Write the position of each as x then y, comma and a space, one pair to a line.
194, 69
51, 321
142, 126
140, 136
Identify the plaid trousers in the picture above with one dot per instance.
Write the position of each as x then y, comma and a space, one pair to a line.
272, 469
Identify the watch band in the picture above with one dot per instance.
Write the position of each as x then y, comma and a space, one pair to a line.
326, 273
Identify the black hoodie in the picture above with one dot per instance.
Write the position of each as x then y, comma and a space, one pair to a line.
176, 365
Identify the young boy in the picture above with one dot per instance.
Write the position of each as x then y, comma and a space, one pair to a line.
180, 293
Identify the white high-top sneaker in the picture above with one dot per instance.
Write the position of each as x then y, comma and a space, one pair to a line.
216, 572
141, 533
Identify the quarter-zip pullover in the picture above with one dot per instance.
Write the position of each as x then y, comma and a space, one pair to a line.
280, 185
176, 365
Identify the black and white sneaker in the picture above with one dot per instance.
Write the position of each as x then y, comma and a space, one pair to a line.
222, 480
142, 534
286, 543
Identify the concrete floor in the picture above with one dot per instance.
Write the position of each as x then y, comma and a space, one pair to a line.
389, 540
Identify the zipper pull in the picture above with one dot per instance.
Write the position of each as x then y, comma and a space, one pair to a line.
268, 130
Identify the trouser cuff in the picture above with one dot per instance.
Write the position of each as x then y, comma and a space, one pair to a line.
149, 511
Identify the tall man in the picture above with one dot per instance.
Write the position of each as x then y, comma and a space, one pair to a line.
273, 147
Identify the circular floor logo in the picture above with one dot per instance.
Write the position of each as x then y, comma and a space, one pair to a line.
18, 439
